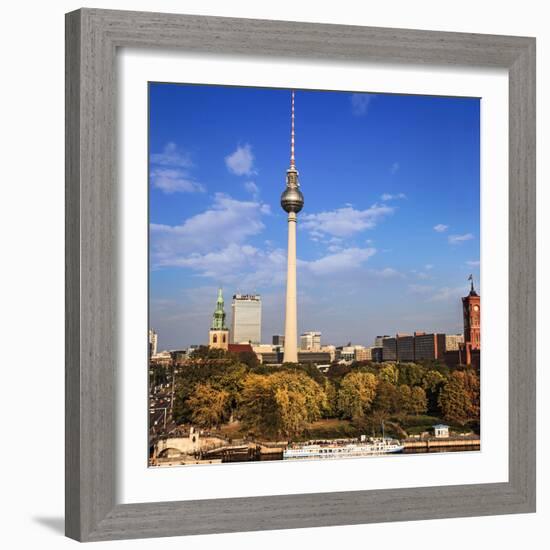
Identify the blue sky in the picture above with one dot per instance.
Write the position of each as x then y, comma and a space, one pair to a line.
388, 234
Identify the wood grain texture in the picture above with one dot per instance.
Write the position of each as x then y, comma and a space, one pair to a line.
92, 37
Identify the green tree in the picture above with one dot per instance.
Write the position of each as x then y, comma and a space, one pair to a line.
356, 394
209, 406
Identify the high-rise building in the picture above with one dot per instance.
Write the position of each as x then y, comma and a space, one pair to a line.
310, 341
153, 342
389, 349
278, 340
218, 336
405, 347
428, 347
379, 340
292, 202
377, 354
246, 320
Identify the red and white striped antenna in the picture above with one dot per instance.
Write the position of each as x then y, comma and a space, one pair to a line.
292, 162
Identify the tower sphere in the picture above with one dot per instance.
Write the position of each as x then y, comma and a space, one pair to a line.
292, 200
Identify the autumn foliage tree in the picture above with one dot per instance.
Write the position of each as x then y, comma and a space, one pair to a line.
356, 394
280, 404
459, 397
209, 406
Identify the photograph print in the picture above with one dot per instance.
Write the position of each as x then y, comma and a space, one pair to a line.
314, 274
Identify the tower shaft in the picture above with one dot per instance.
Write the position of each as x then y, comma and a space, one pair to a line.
291, 319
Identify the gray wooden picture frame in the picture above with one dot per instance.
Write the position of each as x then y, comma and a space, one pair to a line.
92, 39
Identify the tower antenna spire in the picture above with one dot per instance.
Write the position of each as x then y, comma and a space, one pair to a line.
292, 160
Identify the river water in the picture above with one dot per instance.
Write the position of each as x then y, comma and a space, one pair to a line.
279, 456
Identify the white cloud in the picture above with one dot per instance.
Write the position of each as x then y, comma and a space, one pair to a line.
343, 260
252, 188
386, 273
360, 103
457, 239
428, 266
447, 293
172, 156
473, 263
171, 180
390, 197
394, 168
227, 221
344, 222
241, 161
420, 289
441, 228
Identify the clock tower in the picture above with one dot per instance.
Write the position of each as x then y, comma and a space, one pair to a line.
472, 319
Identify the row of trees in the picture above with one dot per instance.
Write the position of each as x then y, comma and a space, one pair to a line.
215, 387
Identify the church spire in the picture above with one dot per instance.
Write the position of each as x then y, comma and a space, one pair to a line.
218, 320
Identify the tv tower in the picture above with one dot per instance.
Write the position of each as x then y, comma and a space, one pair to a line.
292, 202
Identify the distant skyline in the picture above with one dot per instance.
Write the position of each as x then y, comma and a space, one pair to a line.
386, 240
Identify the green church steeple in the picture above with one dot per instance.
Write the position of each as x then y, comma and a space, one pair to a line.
218, 320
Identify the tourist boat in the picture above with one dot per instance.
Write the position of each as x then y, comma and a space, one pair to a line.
340, 449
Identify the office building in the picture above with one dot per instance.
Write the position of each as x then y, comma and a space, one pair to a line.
405, 347
428, 347
318, 357
310, 341
453, 341
377, 354
389, 349
363, 354
246, 320
379, 340
153, 342
278, 340
331, 350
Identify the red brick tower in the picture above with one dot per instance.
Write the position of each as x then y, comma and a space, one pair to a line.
472, 316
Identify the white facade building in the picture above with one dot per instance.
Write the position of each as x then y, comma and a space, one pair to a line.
246, 319
153, 342
310, 341
453, 341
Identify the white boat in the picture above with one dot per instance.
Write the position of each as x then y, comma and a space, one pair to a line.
341, 449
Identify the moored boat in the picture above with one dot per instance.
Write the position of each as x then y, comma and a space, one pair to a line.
342, 449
